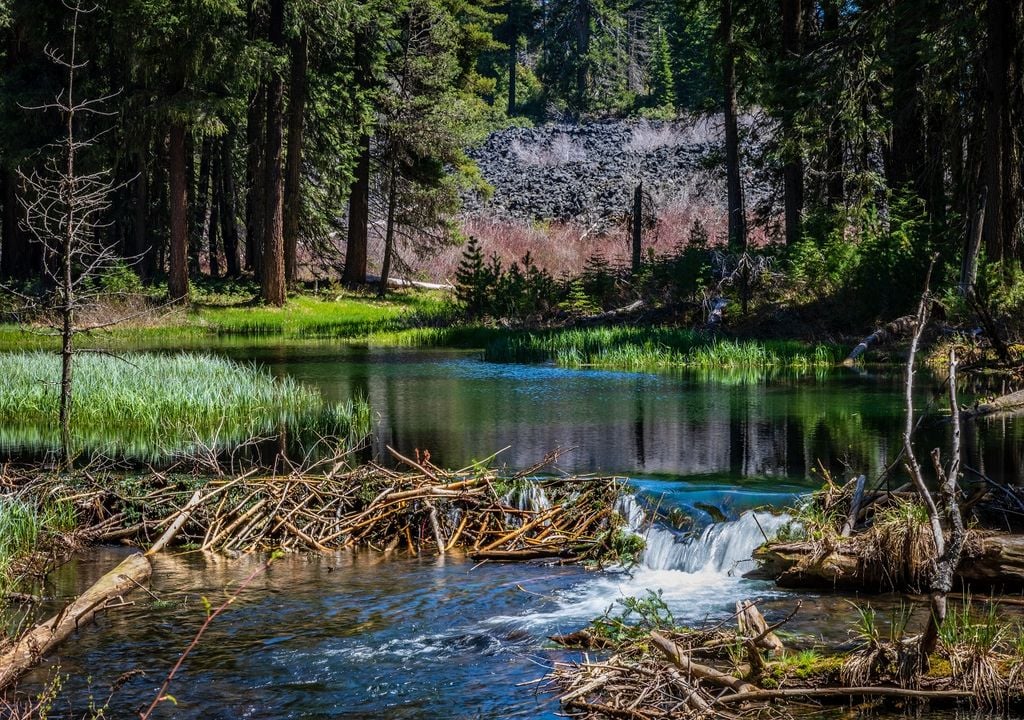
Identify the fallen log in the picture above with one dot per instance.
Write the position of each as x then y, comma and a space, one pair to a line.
764, 695
678, 656
754, 627
899, 326
994, 561
1003, 403
35, 644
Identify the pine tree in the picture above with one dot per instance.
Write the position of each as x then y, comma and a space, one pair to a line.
661, 80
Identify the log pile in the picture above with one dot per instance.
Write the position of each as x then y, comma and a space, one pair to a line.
716, 673
419, 508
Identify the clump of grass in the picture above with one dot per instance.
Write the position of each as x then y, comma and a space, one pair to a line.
883, 654
146, 404
900, 544
971, 642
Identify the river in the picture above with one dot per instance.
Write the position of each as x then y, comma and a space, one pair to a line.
357, 635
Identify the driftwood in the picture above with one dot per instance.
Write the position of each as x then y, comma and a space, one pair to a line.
753, 626
993, 561
899, 326
855, 504
842, 692
35, 644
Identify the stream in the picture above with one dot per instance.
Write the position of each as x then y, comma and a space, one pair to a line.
360, 635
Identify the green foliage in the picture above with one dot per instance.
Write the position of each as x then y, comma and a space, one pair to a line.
485, 288
661, 83
874, 264
637, 618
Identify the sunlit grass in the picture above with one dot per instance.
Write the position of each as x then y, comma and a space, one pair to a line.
654, 348
325, 316
146, 404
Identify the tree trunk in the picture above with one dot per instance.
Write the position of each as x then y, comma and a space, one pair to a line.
793, 169
1002, 172
142, 244
273, 285
293, 172
177, 276
202, 208
15, 250
255, 180
228, 217
358, 219
216, 203
638, 226
736, 209
834, 188
389, 234
513, 63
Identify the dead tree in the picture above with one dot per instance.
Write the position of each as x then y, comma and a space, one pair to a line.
946, 512
64, 211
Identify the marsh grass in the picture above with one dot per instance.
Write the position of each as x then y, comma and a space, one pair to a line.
149, 404
654, 348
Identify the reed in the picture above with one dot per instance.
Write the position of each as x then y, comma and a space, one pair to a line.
147, 404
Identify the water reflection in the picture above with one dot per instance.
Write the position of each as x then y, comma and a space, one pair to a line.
461, 409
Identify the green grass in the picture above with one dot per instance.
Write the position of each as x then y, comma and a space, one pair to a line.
148, 405
331, 316
654, 348
326, 315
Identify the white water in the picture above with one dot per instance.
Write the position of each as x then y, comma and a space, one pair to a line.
697, 576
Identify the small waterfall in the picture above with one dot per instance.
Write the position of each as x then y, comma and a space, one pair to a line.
528, 496
719, 548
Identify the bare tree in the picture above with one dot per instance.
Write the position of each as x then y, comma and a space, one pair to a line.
64, 211
945, 514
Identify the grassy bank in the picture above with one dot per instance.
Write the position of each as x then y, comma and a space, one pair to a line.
621, 347
146, 404
431, 320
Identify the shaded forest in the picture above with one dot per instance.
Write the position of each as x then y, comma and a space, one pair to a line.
244, 137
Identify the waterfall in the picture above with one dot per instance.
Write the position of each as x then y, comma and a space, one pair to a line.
720, 548
528, 496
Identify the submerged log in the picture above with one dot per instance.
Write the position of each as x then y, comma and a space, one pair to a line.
35, 644
993, 561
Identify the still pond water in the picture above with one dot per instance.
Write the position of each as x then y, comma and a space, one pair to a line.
360, 636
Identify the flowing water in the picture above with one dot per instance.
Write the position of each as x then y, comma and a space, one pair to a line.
361, 635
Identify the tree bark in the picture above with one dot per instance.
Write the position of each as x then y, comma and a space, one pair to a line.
202, 208
228, 216
736, 209
273, 278
142, 244
213, 226
638, 226
15, 250
834, 188
358, 219
293, 172
177, 276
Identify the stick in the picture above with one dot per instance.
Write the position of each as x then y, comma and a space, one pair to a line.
183, 516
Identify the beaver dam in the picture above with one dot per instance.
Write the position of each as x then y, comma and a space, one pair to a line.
364, 616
